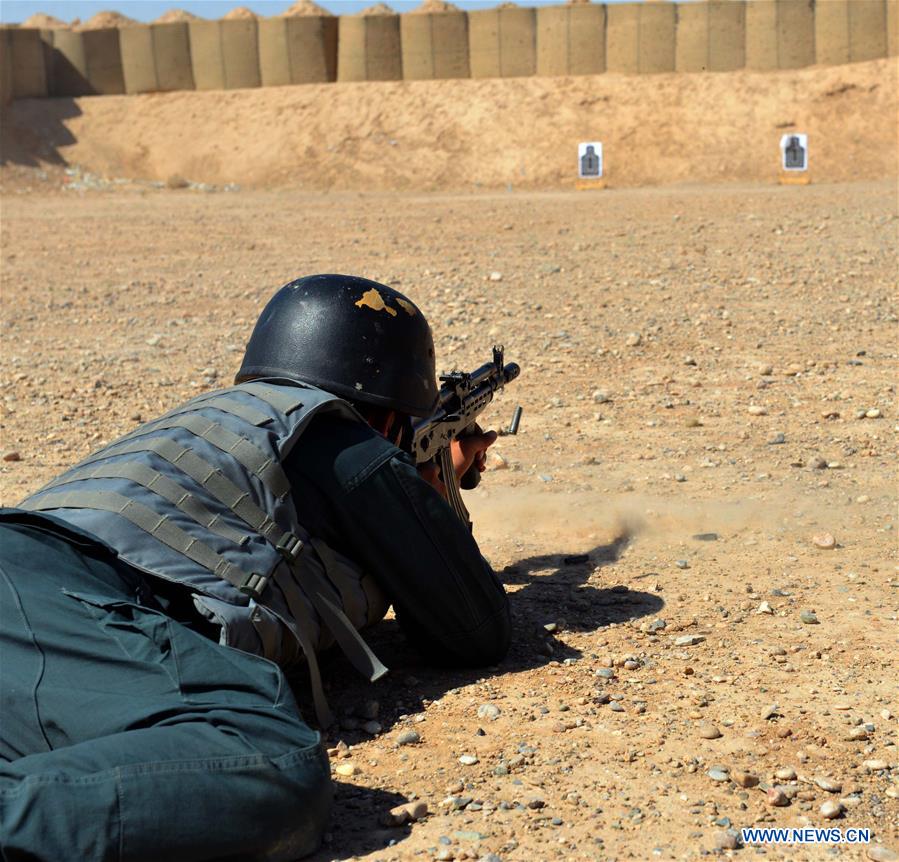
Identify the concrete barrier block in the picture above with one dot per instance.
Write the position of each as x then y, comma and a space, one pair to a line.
27, 68
868, 38
795, 33
171, 49
727, 35
691, 53
657, 37
224, 54
297, 50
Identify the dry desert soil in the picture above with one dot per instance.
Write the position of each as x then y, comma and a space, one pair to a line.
697, 520
708, 385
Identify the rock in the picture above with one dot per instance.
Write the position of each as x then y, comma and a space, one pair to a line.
873, 413
719, 775
689, 640
12, 456
810, 618
818, 463
372, 727
770, 712
757, 410
408, 737
831, 809
829, 784
410, 812
468, 760
370, 709
605, 673
875, 765
776, 797
706, 537
727, 839
777, 439
495, 276
615, 706
785, 773
176, 181
764, 608
879, 853
346, 769
709, 731
634, 339
857, 734
825, 541
535, 803
744, 779
600, 397
682, 564
489, 711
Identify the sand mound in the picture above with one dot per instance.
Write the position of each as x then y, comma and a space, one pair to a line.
459, 134
377, 9
240, 13
176, 16
103, 20
305, 7
42, 21
429, 7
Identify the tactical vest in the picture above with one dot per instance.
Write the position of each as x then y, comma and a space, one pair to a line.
200, 497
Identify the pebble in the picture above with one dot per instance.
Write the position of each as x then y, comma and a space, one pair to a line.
825, 541
372, 727
785, 773
408, 737
727, 839
770, 711
689, 640
874, 765
468, 760
818, 463
12, 456
810, 618
829, 785
718, 775
856, 734
536, 803
764, 608
831, 809
879, 853
682, 564
757, 410
635, 339
745, 779
410, 812
873, 413
709, 731
615, 706
346, 769
605, 672
495, 276
706, 537
489, 711
777, 439
776, 797
600, 397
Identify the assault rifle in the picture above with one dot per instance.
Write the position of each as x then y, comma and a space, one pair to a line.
463, 397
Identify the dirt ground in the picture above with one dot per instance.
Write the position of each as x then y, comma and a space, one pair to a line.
695, 362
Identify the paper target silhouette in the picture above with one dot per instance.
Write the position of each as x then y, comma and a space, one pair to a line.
589, 160
794, 152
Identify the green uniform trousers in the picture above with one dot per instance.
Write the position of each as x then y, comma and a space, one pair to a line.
125, 735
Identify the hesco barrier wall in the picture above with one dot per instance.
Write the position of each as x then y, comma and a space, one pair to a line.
435, 46
571, 40
85, 63
156, 58
297, 50
23, 65
224, 54
502, 43
581, 39
710, 37
780, 34
640, 37
368, 48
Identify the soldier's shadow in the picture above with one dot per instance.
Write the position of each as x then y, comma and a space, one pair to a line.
556, 599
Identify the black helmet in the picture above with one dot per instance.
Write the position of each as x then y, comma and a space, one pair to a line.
347, 335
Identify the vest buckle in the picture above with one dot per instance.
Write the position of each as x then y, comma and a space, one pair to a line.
290, 547
254, 585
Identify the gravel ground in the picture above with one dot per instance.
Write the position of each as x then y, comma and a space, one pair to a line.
696, 522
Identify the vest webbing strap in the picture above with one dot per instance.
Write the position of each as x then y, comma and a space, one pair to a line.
159, 484
160, 527
356, 649
278, 398
216, 483
267, 637
301, 625
216, 402
265, 467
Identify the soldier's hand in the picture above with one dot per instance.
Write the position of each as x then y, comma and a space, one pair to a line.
430, 472
472, 449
